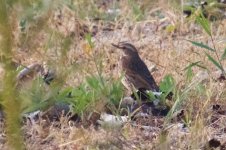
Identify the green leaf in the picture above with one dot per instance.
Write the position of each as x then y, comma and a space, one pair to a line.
170, 28
204, 23
64, 94
151, 96
136, 10
88, 38
191, 65
93, 82
195, 64
188, 69
201, 45
214, 62
23, 24
223, 55
189, 74
116, 92
167, 84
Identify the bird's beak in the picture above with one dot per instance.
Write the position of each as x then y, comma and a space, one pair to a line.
117, 46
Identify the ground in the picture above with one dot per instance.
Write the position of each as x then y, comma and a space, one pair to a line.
161, 38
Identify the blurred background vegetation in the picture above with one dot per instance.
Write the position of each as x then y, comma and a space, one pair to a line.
59, 34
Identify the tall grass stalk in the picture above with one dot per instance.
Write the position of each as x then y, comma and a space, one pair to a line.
9, 95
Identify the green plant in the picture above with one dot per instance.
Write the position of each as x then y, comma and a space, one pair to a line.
182, 95
37, 96
137, 12
15, 101
91, 96
96, 92
167, 87
210, 51
189, 72
9, 95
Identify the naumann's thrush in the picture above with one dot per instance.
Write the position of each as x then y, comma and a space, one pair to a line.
136, 72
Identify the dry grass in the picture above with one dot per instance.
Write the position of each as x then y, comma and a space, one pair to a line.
168, 50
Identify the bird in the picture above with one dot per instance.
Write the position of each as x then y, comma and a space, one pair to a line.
135, 70
138, 80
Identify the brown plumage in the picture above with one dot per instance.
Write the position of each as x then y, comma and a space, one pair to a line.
136, 72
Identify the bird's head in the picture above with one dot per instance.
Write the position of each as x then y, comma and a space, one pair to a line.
127, 48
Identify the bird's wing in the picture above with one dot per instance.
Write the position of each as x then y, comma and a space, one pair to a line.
136, 80
144, 73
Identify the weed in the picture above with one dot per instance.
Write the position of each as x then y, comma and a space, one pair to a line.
9, 95
210, 50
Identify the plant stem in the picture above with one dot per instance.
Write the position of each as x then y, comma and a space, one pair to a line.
9, 95
218, 58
